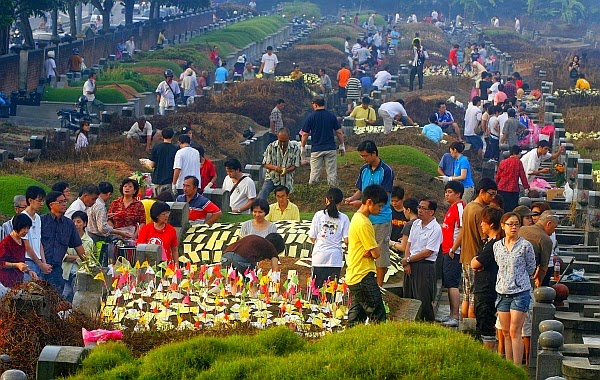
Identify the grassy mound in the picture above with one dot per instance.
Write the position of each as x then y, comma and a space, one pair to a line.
11, 185
302, 9
397, 155
426, 352
72, 94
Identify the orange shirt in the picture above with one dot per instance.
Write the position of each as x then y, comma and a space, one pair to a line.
343, 75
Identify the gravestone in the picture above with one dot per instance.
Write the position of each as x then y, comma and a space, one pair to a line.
148, 252
59, 361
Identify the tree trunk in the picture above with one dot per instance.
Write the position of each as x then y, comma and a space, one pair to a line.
108, 4
26, 29
153, 6
129, 12
4, 39
72, 18
55, 25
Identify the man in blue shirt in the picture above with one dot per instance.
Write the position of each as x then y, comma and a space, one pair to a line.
376, 172
221, 73
433, 131
446, 121
322, 125
58, 234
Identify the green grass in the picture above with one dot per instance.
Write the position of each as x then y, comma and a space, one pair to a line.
72, 94
390, 350
336, 42
596, 165
11, 185
133, 84
397, 155
301, 9
164, 64
236, 218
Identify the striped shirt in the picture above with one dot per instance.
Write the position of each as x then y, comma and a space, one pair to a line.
353, 89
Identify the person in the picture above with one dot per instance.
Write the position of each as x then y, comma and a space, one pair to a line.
208, 172
582, 83
573, 70
538, 235
493, 133
391, 111
162, 158
470, 240
258, 225
87, 197
81, 137
268, 63
484, 282
395, 39
74, 64
186, 163
417, 65
98, 227
71, 262
453, 59
214, 56
500, 96
446, 120
126, 212
322, 125
238, 68
189, 85
130, 46
343, 75
89, 87
511, 130
242, 191
296, 74
203, 79
532, 159
382, 78
509, 172
221, 73
283, 209
120, 49
366, 83
54, 224
363, 250
247, 252
328, 229
516, 263
276, 118
517, 25
202, 210
19, 204
280, 159
12, 253
525, 214
167, 92
161, 38
353, 90
363, 54
160, 232
187, 130
462, 170
324, 83
364, 114
473, 117
50, 66
399, 220
249, 71
35, 257
375, 171
420, 255
143, 134
165, 196
432, 130
451, 272
446, 165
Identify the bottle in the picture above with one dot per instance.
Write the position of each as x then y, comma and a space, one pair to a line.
556, 268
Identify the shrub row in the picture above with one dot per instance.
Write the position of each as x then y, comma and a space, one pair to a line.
72, 94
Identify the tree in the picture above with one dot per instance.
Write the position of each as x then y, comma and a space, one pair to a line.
569, 9
7, 8
105, 7
27, 8
471, 6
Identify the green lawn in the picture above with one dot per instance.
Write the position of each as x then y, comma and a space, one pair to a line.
596, 165
72, 94
11, 185
397, 155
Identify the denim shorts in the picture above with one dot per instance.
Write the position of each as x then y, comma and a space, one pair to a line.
518, 301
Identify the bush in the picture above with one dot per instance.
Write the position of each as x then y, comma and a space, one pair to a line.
133, 84
397, 155
336, 42
11, 185
71, 95
163, 64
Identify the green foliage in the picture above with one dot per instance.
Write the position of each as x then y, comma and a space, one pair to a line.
337, 30
301, 9
338, 43
363, 17
72, 94
121, 74
569, 10
163, 64
397, 155
105, 356
426, 352
134, 84
596, 165
11, 185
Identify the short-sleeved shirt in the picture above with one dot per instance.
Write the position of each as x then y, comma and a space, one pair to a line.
463, 163
472, 119
472, 237
484, 86
343, 75
275, 155
188, 160
329, 234
531, 162
131, 215
433, 132
78, 205
395, 36
200, 206
58, 234
11, 252
163, 156
393, 109
514, 267
383, 175
353, 89
511, 127
167, 93
382, 78
541, 242
509, 172
322, 126
445, 117
166, 238
485, 279
247, 228
207, 172
277, 118
270, 61
34, 236
361, 238
398, 222
447, 164
451, 226
244, 191
291, 212
253, 248
88, 90
221, 74
359, 112
50, 67
135, 130
425, 237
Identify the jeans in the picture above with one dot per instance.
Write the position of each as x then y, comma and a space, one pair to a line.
239, 263
55, 277
32, 267
69, 291
366, 301
414, 71
267, 188
328, 158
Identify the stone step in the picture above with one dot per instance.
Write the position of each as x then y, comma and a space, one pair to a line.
580, 368
559, 205
577, 326
588, 266
575, 303
580, 248
591, 287
570, 239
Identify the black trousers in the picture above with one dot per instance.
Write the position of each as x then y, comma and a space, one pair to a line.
366, 301
420, 285
414, 71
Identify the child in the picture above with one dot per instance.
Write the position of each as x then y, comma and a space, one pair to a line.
71, 261
328, 229
398, 217
362, 252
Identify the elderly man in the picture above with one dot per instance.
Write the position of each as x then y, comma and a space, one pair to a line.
202, 210
19, 204
281, 158
276, 118
539, 236
88, 195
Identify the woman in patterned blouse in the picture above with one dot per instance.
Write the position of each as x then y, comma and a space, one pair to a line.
516, 263
127, 213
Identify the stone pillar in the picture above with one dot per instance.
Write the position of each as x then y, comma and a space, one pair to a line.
549, 359
23, 65
88, 294
60, 361
551, 325
543, 309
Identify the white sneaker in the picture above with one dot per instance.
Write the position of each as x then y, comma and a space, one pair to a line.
442, 319
450, 323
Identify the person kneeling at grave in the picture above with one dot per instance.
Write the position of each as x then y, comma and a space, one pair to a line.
247, 252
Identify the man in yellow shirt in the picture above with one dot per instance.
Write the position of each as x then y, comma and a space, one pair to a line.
364, 114
582, 83
362, 252
283, 209
296, 74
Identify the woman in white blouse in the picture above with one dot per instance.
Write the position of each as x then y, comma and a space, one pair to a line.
258, 225
81, 140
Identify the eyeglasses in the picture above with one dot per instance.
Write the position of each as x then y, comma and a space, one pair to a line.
512, 224
492, 193
62, 202
20, 207
424, 208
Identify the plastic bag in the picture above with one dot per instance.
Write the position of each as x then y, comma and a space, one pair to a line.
568, 193
100, 335
540, 185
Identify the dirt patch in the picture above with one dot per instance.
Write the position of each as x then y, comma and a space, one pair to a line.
128, 91
149, 70
311, 59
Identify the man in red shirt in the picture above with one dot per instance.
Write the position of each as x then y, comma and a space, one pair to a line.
342, 77
202, 210
451, 258
208, 172
453, 59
